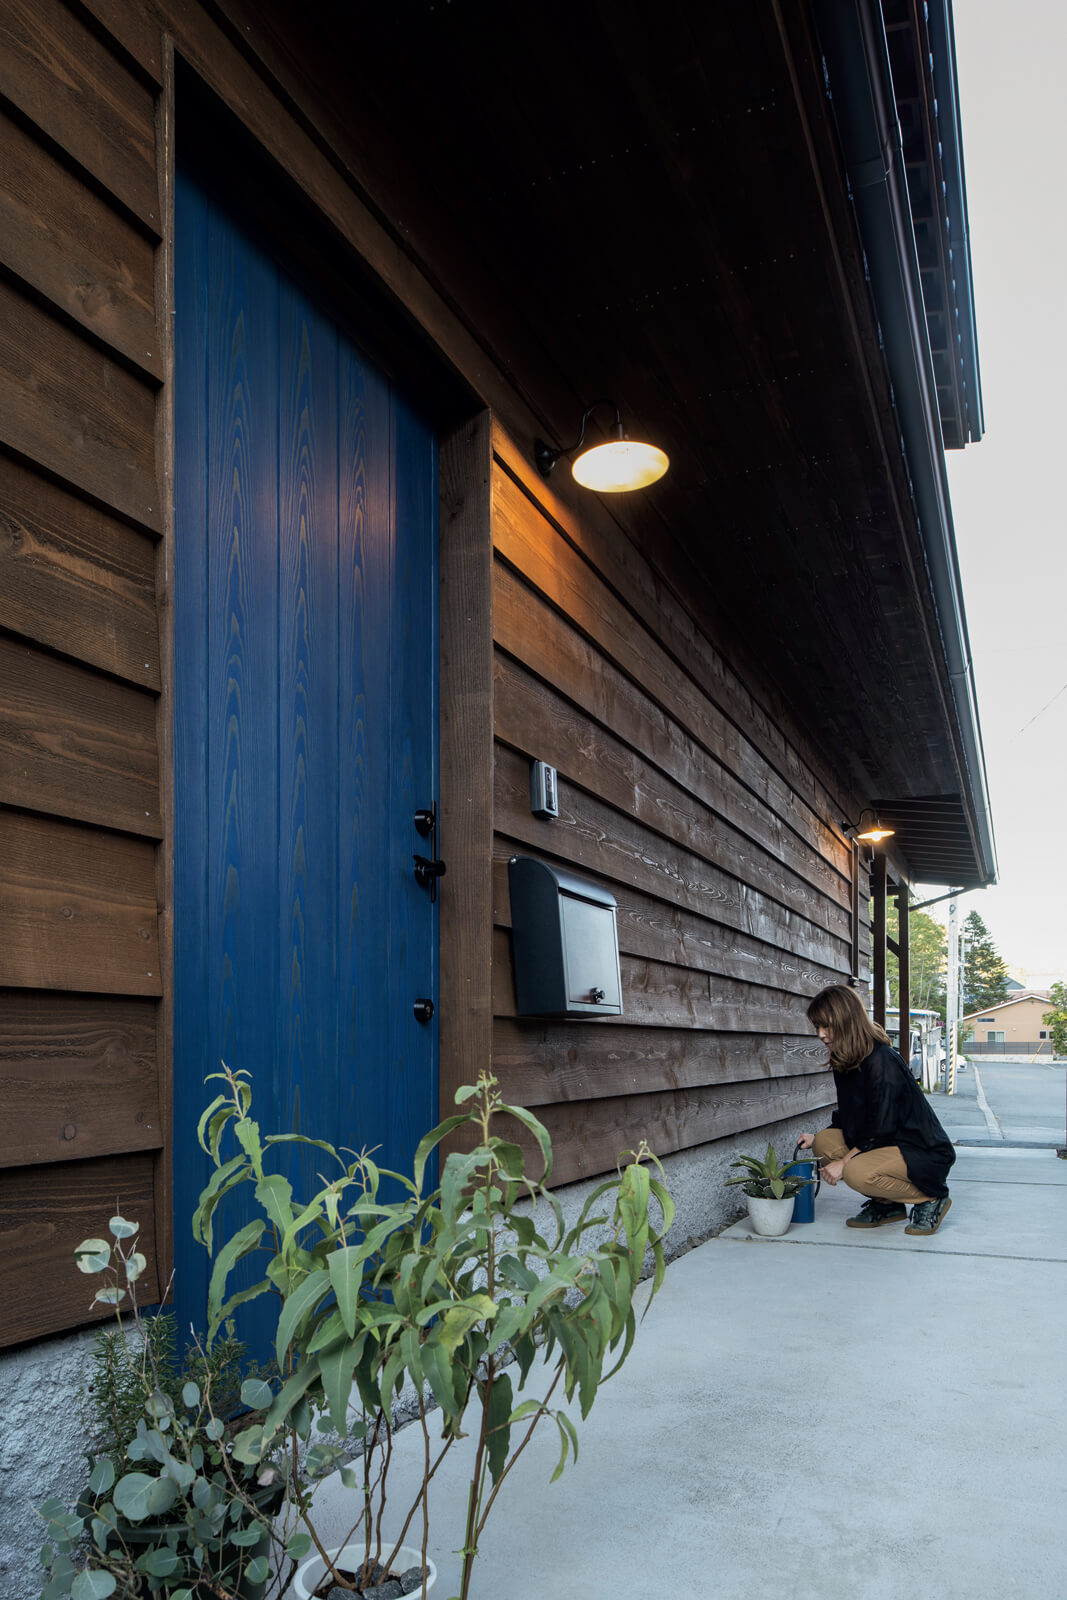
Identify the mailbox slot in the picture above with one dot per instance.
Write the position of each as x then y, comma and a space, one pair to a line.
565, 943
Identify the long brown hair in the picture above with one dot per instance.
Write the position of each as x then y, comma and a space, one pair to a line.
854, 1034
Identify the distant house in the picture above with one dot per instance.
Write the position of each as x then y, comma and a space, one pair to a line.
1012, 1027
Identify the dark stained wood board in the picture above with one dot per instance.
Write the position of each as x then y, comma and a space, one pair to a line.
466, 754
65, 240
657, 931
76, 744
67, 81
77, 908
45, 1213
628, 558
544, 1061
78, 1077
718, 763
76, 579
549, 565
536, 722
656, 994
591, 835
589, 1136
136, 30
68, 407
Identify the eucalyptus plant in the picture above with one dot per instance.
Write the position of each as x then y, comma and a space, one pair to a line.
167, 1510
473, 1291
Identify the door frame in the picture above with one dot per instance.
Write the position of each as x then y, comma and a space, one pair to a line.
412, 355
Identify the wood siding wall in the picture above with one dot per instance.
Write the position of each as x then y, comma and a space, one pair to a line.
679, 790
681, 796
82, 964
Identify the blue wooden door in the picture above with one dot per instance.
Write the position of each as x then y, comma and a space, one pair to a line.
306, 720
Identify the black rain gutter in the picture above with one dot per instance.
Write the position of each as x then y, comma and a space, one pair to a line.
860, 85
946, 87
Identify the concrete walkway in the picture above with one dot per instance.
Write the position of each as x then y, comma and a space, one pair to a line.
829, 1414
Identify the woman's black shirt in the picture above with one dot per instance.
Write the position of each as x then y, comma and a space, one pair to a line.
879, 1103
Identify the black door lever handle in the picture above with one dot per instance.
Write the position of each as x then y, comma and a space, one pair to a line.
427, 873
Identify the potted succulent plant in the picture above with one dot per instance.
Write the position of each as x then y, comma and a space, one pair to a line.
769, 1188
168, 1509
464, 1290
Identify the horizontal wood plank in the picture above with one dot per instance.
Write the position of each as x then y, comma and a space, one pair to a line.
588, 1136
593, 836
720, 765
536, 721
655, 994
45, 1213
68, 407
660, 932
77, 908
547, 1061
78, 1077
548, 564
75, 579
614, 552
68, 243
66, 81
135, 28
75, 744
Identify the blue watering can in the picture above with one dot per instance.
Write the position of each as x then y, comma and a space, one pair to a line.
804, 1200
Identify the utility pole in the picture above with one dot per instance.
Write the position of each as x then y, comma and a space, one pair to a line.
952, 997
965, 950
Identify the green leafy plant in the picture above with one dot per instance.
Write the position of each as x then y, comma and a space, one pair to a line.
1056, 1019
768, 1179
458, 1289
168, 1509
126, 1366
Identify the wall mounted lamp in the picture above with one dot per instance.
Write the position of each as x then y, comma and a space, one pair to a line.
869, 832
612, 468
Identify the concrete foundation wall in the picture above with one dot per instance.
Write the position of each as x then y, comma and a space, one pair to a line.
43, 1446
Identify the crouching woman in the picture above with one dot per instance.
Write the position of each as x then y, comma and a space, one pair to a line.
884, 1139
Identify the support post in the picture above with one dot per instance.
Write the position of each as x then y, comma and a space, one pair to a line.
878, 938
904, 978
854, 974
952, 997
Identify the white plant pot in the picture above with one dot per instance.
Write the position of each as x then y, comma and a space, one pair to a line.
310, 1574
770, 1217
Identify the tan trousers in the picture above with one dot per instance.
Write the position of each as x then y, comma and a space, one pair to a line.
880, 1174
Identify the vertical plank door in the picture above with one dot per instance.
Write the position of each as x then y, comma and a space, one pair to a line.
306, 736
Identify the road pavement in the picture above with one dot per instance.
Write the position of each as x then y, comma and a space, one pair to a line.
1004, 1103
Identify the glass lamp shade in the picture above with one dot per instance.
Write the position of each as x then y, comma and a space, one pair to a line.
874, 833
619, 465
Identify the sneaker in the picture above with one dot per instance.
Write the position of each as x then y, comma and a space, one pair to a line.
876, 1213
928, 1216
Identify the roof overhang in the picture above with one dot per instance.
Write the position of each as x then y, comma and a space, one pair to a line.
945, 838
702, 212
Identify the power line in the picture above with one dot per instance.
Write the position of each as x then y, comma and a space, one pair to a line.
1044, 708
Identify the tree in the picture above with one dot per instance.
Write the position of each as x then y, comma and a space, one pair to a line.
1056, 1019
985, 977
928, 944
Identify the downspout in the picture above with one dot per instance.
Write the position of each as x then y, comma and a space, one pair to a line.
859, 81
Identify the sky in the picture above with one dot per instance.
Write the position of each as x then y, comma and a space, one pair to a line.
1009, 491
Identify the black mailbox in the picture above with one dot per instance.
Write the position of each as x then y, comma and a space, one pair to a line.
565, 943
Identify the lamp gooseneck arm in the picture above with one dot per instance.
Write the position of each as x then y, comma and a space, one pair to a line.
547, 455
